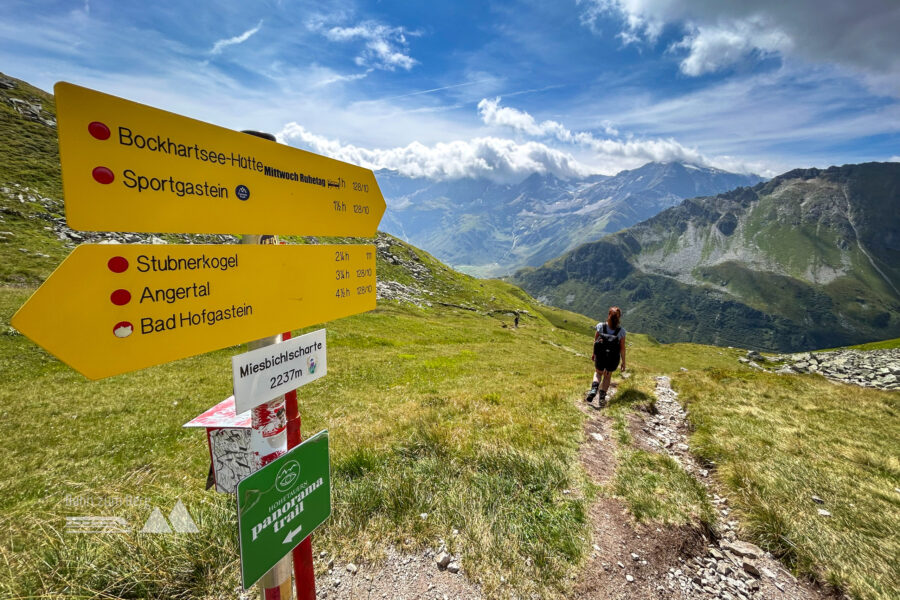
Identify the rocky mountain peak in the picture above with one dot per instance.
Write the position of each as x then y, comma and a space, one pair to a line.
489, 229
808, 260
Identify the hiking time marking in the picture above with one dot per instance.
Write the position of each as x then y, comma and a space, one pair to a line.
110, 309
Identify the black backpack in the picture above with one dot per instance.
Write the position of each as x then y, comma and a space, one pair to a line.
607, 345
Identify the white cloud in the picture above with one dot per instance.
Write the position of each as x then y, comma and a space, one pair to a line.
494, 158
659, 150
338, 78
385, 47
894, 159
861, 35
775, 121
493, 114
238, 39
717, 47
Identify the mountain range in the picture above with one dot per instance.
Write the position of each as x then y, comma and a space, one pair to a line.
486, 228
810, 259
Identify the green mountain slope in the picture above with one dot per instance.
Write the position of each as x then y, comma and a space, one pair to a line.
808, 260
440, 407
28, 141
30, 184
487, 228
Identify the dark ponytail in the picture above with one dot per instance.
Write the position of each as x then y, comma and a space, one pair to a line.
615, 315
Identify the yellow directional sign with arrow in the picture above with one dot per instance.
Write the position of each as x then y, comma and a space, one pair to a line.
131, 167
110, 309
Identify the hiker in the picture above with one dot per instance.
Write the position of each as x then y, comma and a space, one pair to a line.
609, 347
517, 320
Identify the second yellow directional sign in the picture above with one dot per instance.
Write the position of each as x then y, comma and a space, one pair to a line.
110, 309
130, 167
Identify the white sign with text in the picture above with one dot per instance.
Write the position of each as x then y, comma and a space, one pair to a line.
264, 374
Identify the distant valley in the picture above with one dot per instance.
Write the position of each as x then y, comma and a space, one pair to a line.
489, 229
808, 260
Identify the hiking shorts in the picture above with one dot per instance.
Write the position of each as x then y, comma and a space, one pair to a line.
606, 363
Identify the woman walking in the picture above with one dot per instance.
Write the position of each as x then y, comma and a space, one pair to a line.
609, 347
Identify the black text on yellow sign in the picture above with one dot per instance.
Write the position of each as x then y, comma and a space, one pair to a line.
131, 167
112, 309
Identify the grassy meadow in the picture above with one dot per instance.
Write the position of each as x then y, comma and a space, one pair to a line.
446, 411
778, 441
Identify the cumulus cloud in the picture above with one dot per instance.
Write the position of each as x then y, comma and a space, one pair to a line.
717, 47
494, 158
718, 33
493, 114
385, 47
238, 39
659, 150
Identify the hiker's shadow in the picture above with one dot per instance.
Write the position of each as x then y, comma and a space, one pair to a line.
633, 397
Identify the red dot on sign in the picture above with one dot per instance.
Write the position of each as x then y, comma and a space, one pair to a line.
99, 130
117, 264
120, 297
103, 175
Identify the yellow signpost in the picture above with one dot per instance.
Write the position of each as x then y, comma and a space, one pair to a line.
131, 167
110, 309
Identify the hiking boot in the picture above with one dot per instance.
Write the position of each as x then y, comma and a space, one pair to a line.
601, 400
590, 394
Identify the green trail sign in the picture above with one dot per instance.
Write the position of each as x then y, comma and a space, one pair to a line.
281, 504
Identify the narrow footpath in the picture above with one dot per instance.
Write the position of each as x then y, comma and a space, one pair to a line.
629, 560
640, 561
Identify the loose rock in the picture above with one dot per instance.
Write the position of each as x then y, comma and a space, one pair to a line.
744, 549
751, 568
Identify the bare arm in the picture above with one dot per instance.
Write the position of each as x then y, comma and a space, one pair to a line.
622, 352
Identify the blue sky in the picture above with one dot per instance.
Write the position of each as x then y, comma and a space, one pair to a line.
500, 89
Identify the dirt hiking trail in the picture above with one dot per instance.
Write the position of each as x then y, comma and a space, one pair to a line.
640, 561
628, 560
